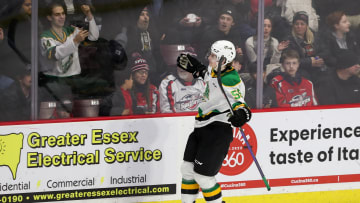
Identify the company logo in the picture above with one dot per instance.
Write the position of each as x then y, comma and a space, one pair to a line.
10, 150
198, 162
239, 158
300, 100
189, 102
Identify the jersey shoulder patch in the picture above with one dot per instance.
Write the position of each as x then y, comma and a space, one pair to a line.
231, 78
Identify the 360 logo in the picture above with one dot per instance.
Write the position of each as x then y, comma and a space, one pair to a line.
239, 158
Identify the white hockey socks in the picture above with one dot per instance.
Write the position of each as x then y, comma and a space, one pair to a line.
189, 187
210, 188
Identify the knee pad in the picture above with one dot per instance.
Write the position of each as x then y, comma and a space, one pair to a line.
187, 170
205, 182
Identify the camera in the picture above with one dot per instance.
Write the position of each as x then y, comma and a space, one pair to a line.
80, 24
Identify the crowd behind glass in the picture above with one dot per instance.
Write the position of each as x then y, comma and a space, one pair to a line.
118, 57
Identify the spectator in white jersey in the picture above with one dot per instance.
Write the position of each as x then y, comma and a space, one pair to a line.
59, 48
180, 91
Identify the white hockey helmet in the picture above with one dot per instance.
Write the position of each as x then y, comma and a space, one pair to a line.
224, 48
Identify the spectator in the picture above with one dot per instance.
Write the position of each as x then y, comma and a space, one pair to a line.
146, 94
120, 103
184, 20
98, 61
272, 48
350, 8
293, 6
222, 31
341, 86
144, 39
242, 7
243, 18
269, 96
292, 90
180, 92
117, 15
74, 14
15, 99
59, 49
338, 37
303, 40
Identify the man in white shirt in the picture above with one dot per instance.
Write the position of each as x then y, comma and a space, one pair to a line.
60, 57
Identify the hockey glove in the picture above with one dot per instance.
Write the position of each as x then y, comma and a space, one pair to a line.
240, 117
191, 64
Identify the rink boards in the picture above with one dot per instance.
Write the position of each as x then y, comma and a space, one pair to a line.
306, 155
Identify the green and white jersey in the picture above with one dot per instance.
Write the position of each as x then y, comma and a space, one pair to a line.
214, 106
60, 56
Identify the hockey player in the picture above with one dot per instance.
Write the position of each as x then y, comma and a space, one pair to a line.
208, 144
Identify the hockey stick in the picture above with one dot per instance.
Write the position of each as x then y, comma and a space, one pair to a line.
242, 132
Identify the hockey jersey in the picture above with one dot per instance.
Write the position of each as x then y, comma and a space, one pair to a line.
60, 56
291, 93
176, 96
214, 106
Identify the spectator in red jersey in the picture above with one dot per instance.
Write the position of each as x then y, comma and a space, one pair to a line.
292, 90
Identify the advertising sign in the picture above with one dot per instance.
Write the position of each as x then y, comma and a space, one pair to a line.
140, 158
295, 148
88, 160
